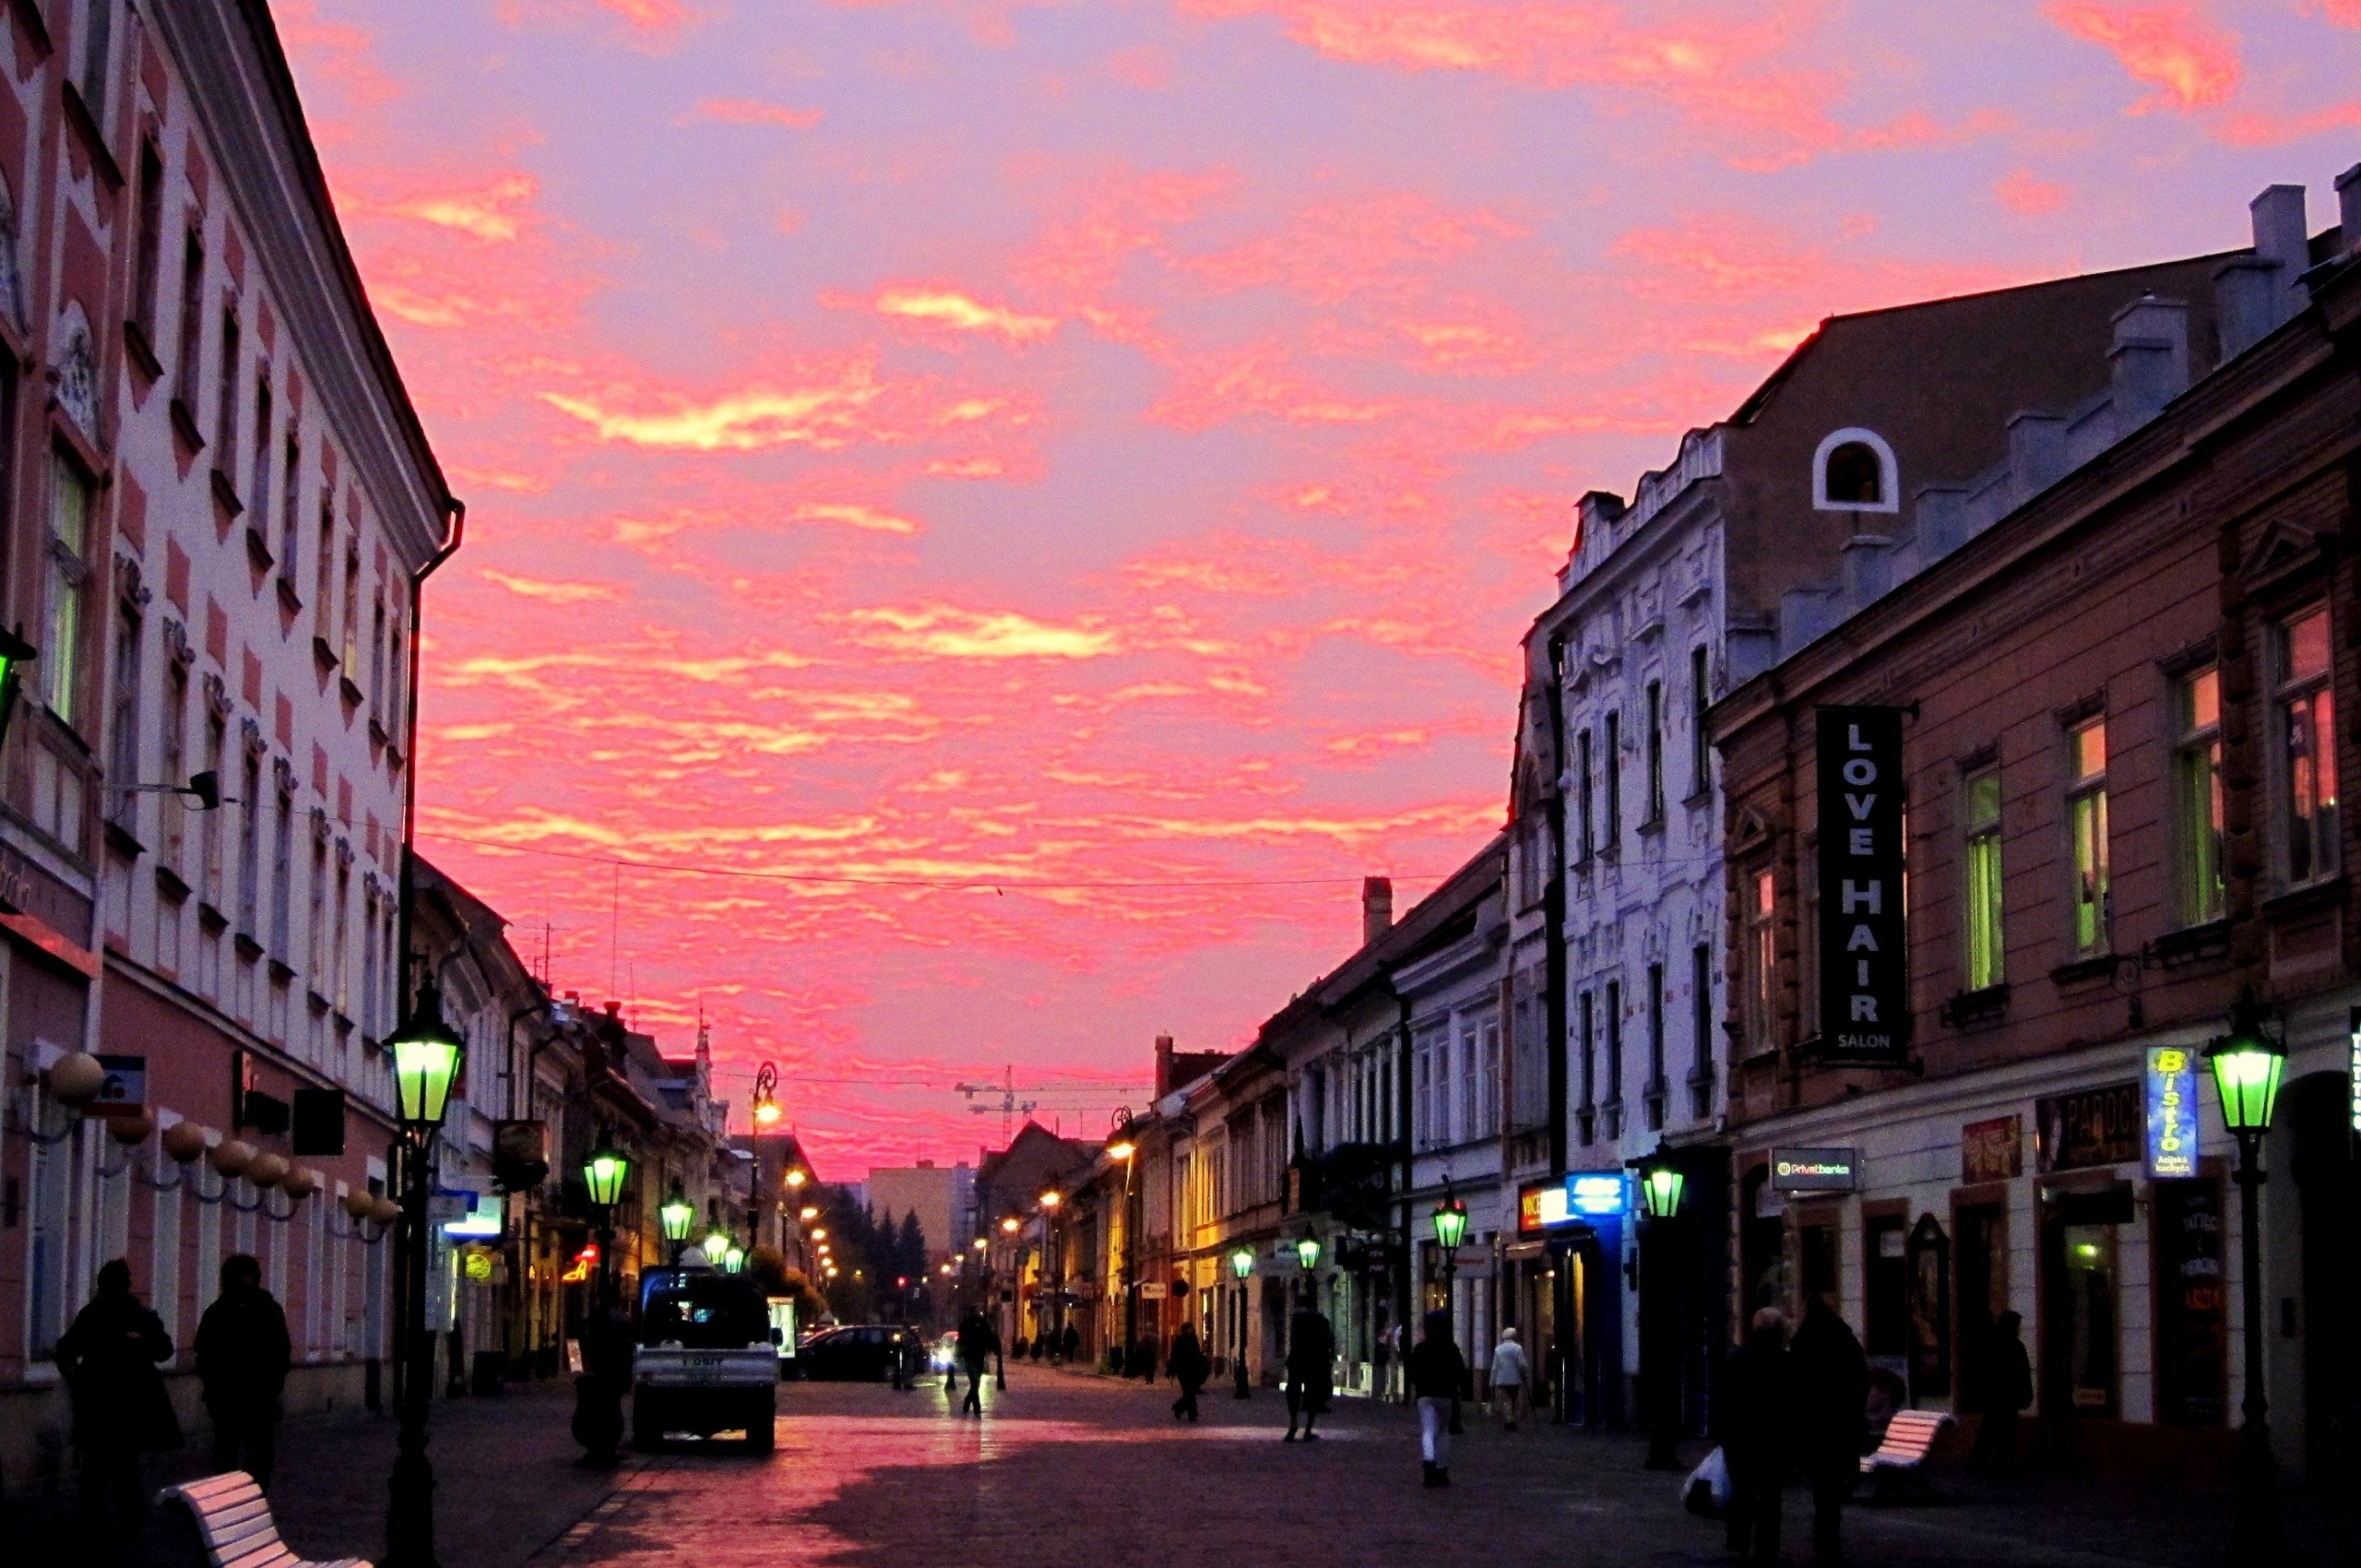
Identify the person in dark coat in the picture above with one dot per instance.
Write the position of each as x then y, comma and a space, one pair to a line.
1312, 1363
241, 1356
1755, 1419
1070, 1341
1831, 1381
1436, 1370
2006, 1389
1190, 1368
108, 1359
977, 1342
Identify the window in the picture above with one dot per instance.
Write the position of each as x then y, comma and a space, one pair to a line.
225, 437
290, 510
147, 263
323, 600
1587, 840
191, 348
339, 993
1700, 1028
2197, 798
318, 930
282, 865
250, 848
1980, 911
217, 738
377, 648
1761, 962
175, 762
2307, 759
258, 488
369, 959
1655, 1047
1426, 1092
1488, 1101
1613, 783
1701, 697
1854, 472
1471, 1114
97, 62
70, 503
122, 717
1855, 475
1614, 1049
1586, 1010
2086, 827
1656, 751
351, 617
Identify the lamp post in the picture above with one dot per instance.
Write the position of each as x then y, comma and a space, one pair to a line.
1242, 1266
2248, 1063
678, 1214
1661, 1181
1450, 1219
427, 1056
598, 1394
1307, 1258
766, 1110
1124, 1148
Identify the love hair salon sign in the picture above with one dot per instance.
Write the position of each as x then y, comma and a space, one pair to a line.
1864, 967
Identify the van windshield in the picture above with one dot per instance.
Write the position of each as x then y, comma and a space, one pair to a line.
701, 1310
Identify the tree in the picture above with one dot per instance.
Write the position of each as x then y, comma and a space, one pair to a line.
910, 1248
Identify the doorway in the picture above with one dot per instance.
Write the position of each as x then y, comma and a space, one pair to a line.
1983, 1230
2081, 1305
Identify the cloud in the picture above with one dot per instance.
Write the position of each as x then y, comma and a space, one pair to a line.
962, 312
480, 214
871, 518
550, 592
2190, 64
754, 111
942, 632
2022, 191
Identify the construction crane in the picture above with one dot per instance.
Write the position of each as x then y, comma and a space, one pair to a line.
1006, 1097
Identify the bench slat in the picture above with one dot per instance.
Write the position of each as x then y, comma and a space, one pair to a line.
275, 1553
233, 1518
235, 1540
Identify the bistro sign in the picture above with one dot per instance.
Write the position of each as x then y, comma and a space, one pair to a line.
2172, 1112
1864, 967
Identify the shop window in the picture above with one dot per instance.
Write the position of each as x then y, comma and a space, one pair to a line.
2082, 1310
2087, 834
2196, 798
1929, 1258
2306, 714
2192, 1309
47, 1243
1980, 916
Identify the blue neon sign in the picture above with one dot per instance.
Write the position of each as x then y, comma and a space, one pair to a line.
1598, 1194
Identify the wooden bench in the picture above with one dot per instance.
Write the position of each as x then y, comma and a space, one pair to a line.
1902, 1457
233, 1523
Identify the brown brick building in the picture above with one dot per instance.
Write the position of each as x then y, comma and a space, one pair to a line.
2121, 654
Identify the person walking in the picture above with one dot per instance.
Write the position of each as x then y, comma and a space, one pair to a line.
1311, 1360
1190, 1368
121, 1411
2006, 1380
1831, 1383
976, 1342
1069, 1342
1436, 1371
1756, 1407
241, 1356
1509, 1375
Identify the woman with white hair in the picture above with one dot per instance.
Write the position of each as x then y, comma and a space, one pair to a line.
1509, 1375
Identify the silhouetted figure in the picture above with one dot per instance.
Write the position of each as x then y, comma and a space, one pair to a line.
1070, 1341
977, 1340
108, 1359
1436, 1371
1832, 1379
1755, 1424
2006, 1389
1311, 1361
241, 1356
1190, 1368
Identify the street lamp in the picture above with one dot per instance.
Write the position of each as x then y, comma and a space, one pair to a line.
1661, 1181
733, 1258
427, 1056
599, 1396
1241, 1266
1307, 1257
766, 1110
678, 1214
2248, 1063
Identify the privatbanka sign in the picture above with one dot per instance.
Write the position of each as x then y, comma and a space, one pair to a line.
1864, 967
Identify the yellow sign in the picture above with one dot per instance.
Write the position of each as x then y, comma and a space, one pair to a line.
479, 1267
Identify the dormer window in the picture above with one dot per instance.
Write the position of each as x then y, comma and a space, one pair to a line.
1854, 472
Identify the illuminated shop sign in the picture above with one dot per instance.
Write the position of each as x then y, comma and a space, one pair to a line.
1815, 1170
1598, 1193
1864, 967
2172, 1111
1542, 1206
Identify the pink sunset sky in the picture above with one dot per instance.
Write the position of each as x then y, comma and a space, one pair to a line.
1084, 468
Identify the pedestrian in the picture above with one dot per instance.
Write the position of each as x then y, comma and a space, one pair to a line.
1752, 1425
1436, 1371
1831, 1381
1149, 1350
1070, 1341
976, 1343
1312, 1361
2007, 1381
1189, 1369
108, 1359
1509, 1374
242, 1356
1382, 1355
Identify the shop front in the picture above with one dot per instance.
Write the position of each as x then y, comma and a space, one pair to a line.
1564, 1281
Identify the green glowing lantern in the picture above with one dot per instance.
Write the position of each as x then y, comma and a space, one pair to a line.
604, 1173
426, 1063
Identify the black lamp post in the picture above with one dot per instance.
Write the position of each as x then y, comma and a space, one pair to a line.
2248, 1063
1242, 1265
1307, 1258
1450, 1219
598, 1394
1661, 1181
427, 1056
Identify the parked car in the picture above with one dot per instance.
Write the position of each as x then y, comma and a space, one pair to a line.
855, 1353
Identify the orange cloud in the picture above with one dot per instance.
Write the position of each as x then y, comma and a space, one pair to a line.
480, 214
870, 518
962, 312
2190, 64
552, 593
753, 111
2022, 191
823, 405
942, 632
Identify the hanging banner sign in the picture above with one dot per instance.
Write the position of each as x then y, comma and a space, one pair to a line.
1864, 970
2172, 1112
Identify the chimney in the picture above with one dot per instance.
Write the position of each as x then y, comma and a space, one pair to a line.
2149, 363
2036, 454
1377, 908
2281, 238
1163, 1066
2348, 209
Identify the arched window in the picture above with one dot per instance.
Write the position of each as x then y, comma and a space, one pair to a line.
1854, 472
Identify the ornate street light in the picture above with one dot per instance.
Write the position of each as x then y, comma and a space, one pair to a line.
677, 1215
716, 1243
1241, 1268
598, 1412
1660, 1185
426, 1055
1661, 1181
1307, 1253
766, 1110
733, 1258
2248, 1063
1451, 1226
